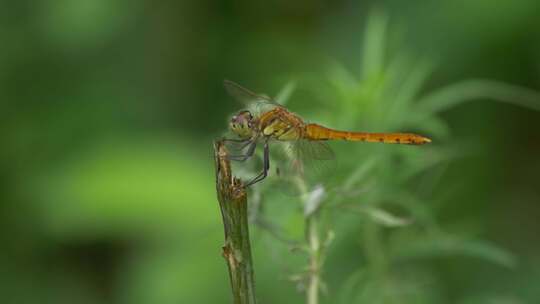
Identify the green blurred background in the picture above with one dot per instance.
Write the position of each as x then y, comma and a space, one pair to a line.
109, 109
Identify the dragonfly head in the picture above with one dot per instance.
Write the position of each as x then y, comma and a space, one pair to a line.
241, 124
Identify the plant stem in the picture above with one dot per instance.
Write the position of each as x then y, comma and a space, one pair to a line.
311, 203
237, 249
312, 229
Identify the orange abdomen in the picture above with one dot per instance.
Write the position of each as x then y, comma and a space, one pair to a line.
318, 132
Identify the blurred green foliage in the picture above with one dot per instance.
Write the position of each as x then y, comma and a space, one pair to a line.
110, 107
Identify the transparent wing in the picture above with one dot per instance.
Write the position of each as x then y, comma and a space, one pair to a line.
308, 163
236, 147
255, 102
244, 95
316, 150
315, 161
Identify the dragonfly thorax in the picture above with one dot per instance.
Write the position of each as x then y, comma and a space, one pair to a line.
241, 124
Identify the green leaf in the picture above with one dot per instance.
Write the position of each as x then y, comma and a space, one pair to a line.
374, 45
410, 89
344, 82
435, 127
385, 218
442, 245
468, 90
360, 173
349, 289
284, 95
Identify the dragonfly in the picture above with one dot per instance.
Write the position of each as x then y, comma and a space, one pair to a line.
273, 122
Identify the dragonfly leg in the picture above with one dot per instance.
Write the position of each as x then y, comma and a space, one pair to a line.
266, 161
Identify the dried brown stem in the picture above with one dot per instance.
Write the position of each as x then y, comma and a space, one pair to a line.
237, 249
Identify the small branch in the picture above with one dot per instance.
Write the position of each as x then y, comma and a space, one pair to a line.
312, 230
312, 203
237, 249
